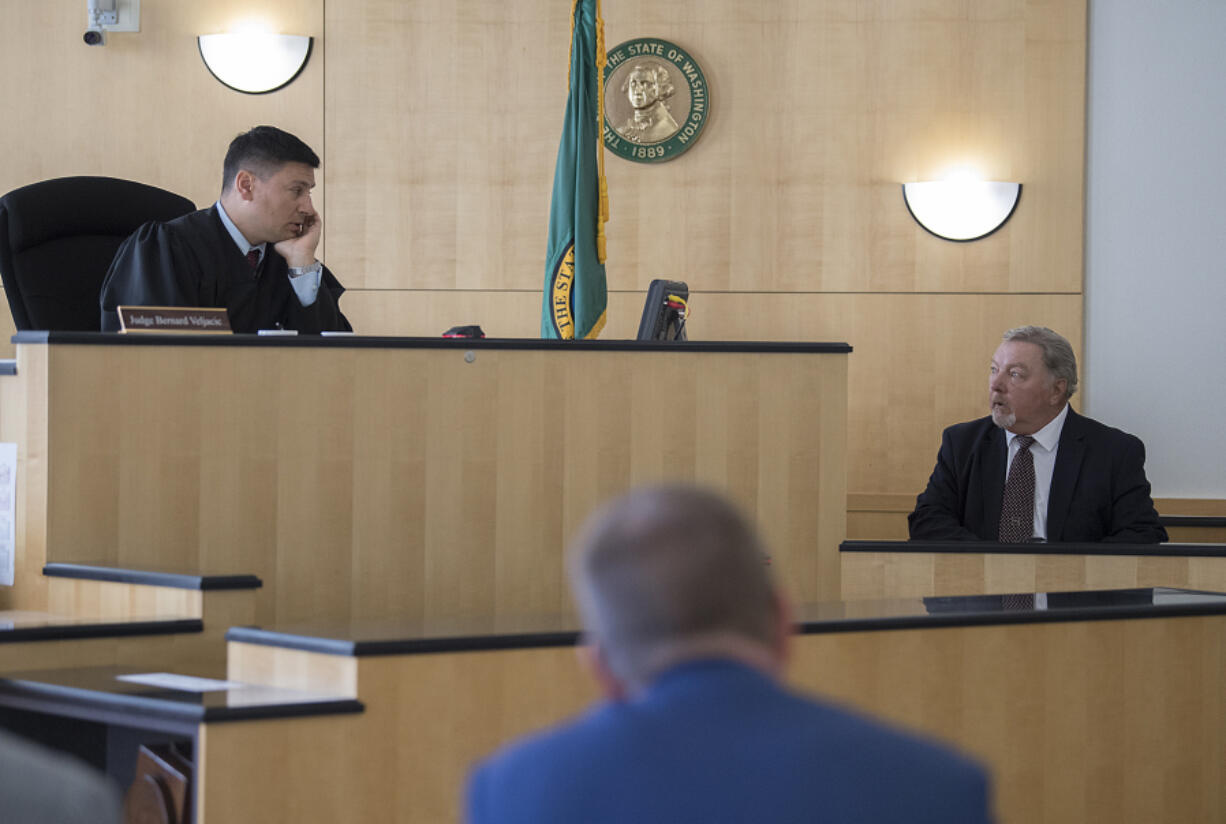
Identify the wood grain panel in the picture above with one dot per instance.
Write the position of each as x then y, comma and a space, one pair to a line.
143, 106
114, 601
919, 365
293, 669
156, 653
1079, 723
367, 482
1205, 507
287, 770
919, 574
441, 160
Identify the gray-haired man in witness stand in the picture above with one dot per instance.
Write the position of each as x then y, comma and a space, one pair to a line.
40, 786
1034, 469
688, 637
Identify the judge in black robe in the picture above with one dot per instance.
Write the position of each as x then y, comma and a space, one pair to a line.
193, 261
202, 259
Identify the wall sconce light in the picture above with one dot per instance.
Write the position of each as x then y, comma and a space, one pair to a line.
961, 210
255, 62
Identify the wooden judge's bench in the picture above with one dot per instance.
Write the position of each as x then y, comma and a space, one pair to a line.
360, 477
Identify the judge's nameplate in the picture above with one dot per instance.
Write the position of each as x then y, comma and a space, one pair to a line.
190, 320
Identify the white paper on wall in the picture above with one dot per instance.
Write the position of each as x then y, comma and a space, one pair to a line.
8, 512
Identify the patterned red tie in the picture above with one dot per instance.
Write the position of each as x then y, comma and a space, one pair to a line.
1017, 506
253, 259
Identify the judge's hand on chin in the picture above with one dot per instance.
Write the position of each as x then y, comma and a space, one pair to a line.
299, 251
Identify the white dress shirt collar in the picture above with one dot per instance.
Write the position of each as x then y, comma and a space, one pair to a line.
1049, 436
243, 244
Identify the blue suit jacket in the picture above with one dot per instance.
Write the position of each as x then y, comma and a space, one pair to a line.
1098, 487
714, 741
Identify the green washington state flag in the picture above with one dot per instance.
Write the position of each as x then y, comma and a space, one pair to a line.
575, 291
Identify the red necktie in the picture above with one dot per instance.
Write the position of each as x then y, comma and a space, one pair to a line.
253, 259
1017, 505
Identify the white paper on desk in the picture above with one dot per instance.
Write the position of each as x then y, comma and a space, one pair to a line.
8, 512
183, 683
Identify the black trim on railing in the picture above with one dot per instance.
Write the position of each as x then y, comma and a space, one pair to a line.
143, 711
109, 629
152, 578
459, 345
402, 646
992, 548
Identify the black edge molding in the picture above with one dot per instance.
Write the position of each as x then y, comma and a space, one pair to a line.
112, 629
152, 578
404, 646
458, 345
44, 696
993, 548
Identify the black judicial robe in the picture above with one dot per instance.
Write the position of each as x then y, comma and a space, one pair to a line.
193, 261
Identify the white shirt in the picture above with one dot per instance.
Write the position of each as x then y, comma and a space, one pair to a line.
1046, 442
306, 284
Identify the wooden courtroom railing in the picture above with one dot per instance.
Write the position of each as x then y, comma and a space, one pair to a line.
909, 569
1102, 707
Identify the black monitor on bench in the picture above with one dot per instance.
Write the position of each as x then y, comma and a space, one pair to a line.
665, 311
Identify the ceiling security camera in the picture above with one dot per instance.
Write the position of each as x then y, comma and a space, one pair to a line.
94, 37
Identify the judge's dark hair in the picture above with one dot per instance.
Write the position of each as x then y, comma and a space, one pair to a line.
264, 150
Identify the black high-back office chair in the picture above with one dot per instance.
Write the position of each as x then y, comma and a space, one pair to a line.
57, 239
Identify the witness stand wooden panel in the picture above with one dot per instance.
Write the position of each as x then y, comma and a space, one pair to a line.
37, 640
902, 569
1105, 714
364, 477
97, 616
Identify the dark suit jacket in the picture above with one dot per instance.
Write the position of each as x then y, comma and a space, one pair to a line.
1098, 487
714, 741
193, 261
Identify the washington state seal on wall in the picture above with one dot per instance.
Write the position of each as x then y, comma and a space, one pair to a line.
656, 100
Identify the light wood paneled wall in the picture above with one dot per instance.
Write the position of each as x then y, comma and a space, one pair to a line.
143, 106
438, 124
1079, 723
443, 119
